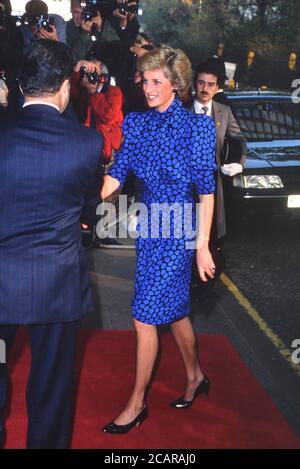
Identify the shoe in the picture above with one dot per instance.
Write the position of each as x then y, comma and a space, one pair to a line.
114, 428
203, 388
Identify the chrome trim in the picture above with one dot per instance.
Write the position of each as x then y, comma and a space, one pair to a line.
265, 196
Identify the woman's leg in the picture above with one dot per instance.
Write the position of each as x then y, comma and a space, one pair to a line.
186, 341
147, 347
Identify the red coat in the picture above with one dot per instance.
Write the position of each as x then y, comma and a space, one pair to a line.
107, 110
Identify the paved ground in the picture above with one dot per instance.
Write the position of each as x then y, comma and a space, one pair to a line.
263, 259
255, 258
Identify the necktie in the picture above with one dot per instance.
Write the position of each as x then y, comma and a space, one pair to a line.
204, 109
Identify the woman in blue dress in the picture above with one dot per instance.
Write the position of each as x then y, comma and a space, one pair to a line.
171, 150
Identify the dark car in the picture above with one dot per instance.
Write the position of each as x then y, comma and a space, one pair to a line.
270, 182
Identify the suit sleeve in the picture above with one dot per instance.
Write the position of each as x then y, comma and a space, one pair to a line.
203, 151
123, 161
92, 195
234, 131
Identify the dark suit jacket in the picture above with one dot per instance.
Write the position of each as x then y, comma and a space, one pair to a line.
47, 164
225, 125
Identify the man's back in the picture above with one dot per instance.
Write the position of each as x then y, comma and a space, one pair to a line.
47, 165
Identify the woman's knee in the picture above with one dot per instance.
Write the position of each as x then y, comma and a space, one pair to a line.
143, 328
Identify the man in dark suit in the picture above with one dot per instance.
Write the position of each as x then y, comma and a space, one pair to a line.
47, 165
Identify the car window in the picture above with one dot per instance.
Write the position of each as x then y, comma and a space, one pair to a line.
268, 120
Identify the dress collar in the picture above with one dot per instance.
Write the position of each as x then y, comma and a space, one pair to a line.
174, 107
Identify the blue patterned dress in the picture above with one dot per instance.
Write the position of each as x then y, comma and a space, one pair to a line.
170, 152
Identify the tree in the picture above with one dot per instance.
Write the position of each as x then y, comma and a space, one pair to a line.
270, 27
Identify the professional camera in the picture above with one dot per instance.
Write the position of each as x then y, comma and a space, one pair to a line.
91, 8
42, 22
46, 23
93, 77
89, 12
124, 9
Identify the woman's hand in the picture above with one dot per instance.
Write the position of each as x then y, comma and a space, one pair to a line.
205, 263
110, 185
3, 94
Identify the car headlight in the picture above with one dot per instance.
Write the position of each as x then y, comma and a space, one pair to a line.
258, 181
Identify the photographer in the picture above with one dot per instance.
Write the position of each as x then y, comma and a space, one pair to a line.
37, 24
97, 103
78, 31
124, 21
86, 31
11, 54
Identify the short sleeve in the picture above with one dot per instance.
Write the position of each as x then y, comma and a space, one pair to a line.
123, 157
203, 153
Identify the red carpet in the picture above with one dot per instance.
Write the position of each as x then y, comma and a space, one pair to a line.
237, 414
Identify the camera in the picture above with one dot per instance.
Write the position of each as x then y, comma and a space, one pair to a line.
89, 12
92, 8
46, 22
124, 9
93, 77
42, 22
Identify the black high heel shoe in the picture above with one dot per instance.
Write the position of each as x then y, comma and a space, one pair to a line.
114, 428
203, 388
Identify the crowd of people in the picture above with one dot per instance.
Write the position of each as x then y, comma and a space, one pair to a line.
62, 122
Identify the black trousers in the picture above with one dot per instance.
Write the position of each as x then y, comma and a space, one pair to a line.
49, 393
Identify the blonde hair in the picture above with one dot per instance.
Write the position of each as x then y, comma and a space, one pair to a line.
174, 63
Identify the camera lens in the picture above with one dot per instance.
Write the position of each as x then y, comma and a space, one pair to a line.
123, 9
